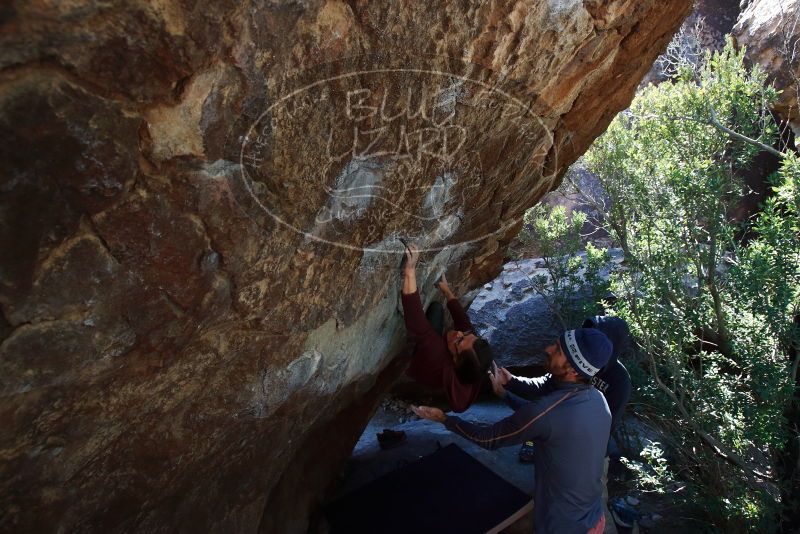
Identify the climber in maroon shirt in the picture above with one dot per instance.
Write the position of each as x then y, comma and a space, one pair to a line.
456, 361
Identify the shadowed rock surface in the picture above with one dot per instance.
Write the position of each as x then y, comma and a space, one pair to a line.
519, 321
199, 205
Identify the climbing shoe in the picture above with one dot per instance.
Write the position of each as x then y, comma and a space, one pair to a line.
526, 453
389, 439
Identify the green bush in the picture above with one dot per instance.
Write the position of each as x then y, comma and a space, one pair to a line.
714, 314
573, 286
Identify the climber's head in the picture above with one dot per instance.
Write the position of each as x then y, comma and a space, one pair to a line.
472, 355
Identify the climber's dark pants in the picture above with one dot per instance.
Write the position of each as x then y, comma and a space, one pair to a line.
435, 315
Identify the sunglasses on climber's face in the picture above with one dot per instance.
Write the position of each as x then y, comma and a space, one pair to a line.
463, 335
464, 341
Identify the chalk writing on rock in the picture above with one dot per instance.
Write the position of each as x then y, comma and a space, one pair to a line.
365, 154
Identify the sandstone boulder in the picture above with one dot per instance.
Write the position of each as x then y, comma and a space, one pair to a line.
770, 29
199, 206
517, 315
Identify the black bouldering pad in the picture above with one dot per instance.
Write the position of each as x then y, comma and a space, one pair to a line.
448, 491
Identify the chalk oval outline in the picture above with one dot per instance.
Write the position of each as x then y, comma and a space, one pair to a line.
308, 235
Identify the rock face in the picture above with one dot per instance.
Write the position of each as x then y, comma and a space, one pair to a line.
517, 320
199, 205
770, 29
705, 29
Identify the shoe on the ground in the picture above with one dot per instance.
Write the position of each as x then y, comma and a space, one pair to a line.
389, 439
623, 513
526, 453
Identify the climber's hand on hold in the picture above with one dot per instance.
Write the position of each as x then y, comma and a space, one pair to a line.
410, 268
412, 256
444, 287
429, 413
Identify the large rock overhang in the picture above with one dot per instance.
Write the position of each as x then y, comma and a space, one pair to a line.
199, 210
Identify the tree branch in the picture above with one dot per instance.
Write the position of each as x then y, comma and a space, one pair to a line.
736, 135
719, 448
713, 121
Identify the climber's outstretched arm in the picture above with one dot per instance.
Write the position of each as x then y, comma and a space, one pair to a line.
410, 270
461, 320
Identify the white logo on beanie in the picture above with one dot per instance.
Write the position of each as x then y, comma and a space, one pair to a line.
576, 354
